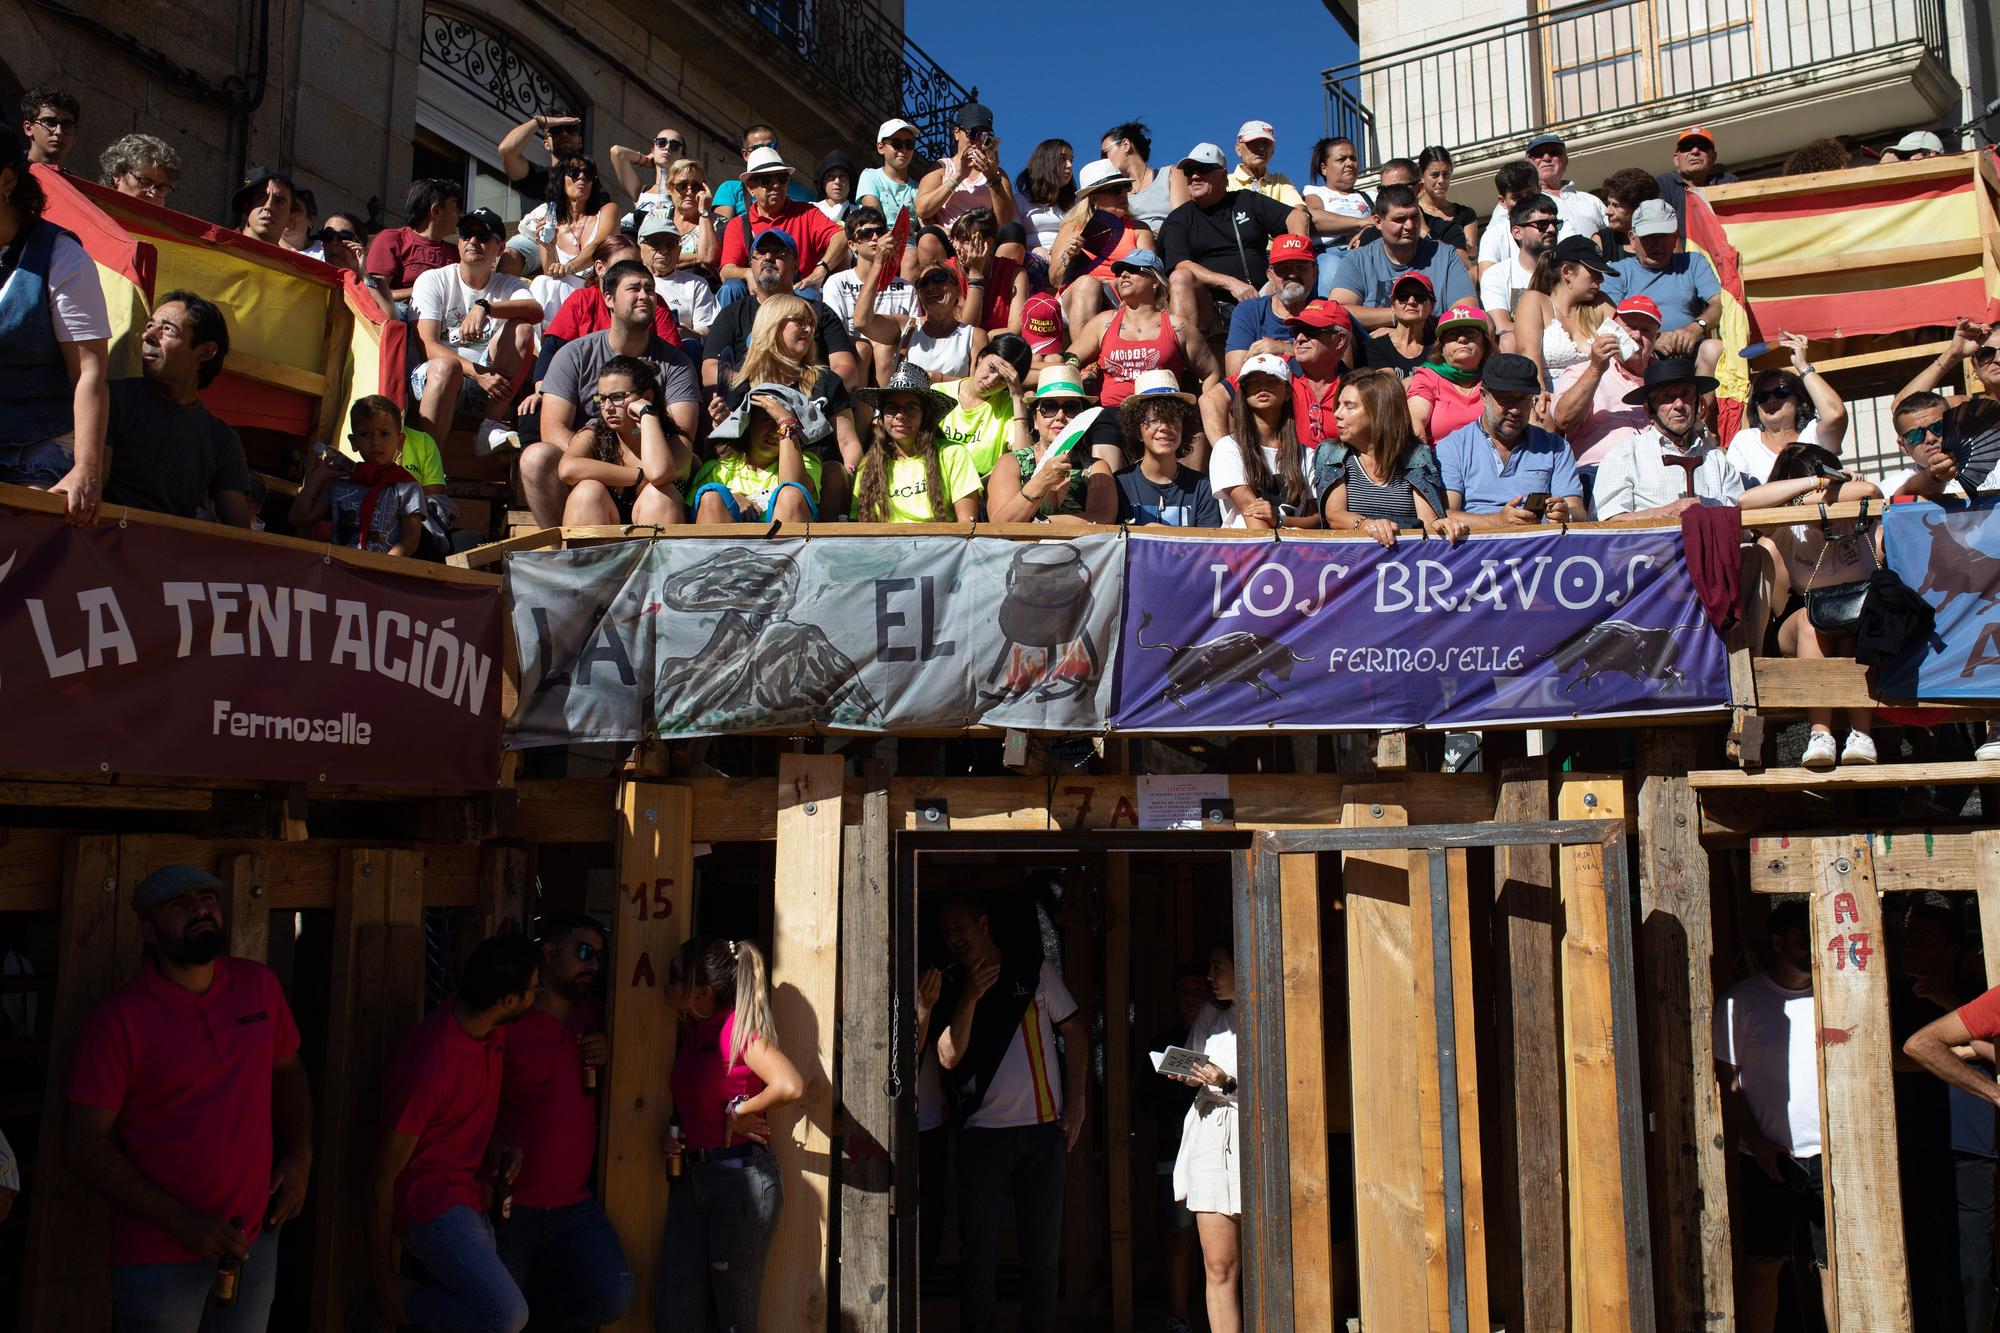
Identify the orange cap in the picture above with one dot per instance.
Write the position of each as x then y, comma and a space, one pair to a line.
1695, 132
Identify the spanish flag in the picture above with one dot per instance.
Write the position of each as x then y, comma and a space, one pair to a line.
305, 339
1735, 328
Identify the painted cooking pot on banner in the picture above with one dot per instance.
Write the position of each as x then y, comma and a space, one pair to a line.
1048, 596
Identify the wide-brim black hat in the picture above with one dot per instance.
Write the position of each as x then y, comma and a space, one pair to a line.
1670, 370
911, 378
253, 186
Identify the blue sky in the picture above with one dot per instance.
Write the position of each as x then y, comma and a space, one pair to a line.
1058, 71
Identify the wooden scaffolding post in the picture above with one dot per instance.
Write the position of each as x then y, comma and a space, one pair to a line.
1117, 1087
867, 1100
1531, 1174
1986, 882
65, 1284
655, 914
244, 884
1685, 1154
1305, 1093
1857, 1108
1387, 1051
375, 997
1601, 1251
805, 979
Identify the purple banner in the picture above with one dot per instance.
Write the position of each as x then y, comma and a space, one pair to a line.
1328, 635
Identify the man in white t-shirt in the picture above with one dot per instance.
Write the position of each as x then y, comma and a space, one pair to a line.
1512, 183
1582, 212
477, 325
1532, 222
1767, 1060
1019, 1113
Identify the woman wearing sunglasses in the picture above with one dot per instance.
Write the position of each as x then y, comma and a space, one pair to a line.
1971, 424
1787, 407
642, 175
1074, 487
567, 229
942, 334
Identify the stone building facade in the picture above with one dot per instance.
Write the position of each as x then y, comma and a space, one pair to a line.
355, 97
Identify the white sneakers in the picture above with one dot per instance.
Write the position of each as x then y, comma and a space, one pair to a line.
1990, 750
492, 436
1820, 753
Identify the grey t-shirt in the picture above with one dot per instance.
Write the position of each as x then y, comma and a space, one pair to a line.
1370, 272
1152, 204
573, 374
167, 458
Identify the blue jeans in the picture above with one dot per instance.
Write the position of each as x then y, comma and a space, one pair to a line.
41, 464
720, 1219
1329, 264
173, 1298
470, 1290
1026, 1164
585, 1280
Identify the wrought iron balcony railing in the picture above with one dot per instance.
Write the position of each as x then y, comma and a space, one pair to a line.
1582, 62
860, 53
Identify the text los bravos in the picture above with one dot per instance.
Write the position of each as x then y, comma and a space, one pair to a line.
256, 620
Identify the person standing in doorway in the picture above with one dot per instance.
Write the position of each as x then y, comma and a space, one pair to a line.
1169, 1101
1019, 1113
1206, 1173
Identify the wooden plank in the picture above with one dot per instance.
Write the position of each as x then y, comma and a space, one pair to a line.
1870, 775
1793, 684
65, 1285
1857, 1108
867, 1103
244, 884
94, 797
32, 864
1906, 860
541, 539
1306, 1093
1600, 1291
1745, 743
1986, 881
1887, 356
1118, 1091
655, 914
1845, 178
1527, 909
1385, 1049
1686, 1157
335, 365
1080, 1226
805, 970
374, 999
506, 889
1930, 252
1265, 1242
276, 373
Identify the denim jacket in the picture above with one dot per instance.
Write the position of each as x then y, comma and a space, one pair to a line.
1420, 469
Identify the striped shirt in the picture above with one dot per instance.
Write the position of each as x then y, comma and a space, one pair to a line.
1394, 501
1027, 1087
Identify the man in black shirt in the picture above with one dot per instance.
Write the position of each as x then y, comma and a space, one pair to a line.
168, 453
774, 271
1215, 244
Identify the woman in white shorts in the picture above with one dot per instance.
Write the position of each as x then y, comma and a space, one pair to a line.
1206, 1175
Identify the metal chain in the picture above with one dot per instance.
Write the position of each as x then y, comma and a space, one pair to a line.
892, 1087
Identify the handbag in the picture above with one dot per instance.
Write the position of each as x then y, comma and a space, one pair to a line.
1837, 609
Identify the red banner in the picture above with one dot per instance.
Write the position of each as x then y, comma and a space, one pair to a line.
136, 647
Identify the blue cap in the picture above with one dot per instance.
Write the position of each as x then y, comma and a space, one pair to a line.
1141, 261
1543, 141
781, 234
168, 883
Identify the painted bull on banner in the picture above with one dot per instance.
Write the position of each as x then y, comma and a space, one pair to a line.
1237, 656
1956, 567
1620, 646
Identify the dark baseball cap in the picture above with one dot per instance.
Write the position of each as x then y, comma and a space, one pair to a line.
1509, 372
1582, 250
168, 883
480, 220
253, 188
974, 116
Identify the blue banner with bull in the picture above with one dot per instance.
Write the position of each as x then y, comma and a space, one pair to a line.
1327, 635
1951, 558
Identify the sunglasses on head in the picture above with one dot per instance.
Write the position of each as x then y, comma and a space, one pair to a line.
1916, 435
1985, 355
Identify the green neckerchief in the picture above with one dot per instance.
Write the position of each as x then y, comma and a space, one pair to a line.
1452, 373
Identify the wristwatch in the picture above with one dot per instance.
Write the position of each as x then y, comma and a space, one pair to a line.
1701, 323
484, 303
642, 409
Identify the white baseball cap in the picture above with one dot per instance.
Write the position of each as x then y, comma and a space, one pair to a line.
1920, 141
1264, 363
889, 128
1254, 130
1655, 217
1100, 175
764, 160
1205, 155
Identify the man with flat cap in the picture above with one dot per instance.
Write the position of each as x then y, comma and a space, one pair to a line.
181, 1075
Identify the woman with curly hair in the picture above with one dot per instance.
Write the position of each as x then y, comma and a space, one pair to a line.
906, 474
1157, 420
567, 229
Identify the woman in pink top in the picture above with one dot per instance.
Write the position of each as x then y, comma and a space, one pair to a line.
728, 1074
1444, 391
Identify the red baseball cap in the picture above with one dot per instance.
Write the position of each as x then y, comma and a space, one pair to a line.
1641, 306
1416, 277
1291, 249
1042, 323
1322, 315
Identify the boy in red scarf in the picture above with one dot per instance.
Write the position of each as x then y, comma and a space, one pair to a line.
378, 506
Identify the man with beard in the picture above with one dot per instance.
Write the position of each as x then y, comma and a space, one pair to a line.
1018, 1113
1675, 464
1533, 222
1500, 471
1258, 325
441, 1165
551, 1061
181, 1075
774, 270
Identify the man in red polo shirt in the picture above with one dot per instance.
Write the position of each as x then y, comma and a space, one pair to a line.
1320, 332
180, 1075
547, 1112
434, 1175
821, 243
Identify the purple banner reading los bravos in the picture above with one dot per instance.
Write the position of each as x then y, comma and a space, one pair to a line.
1323, 635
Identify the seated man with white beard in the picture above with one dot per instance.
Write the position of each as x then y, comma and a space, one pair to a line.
1258, 325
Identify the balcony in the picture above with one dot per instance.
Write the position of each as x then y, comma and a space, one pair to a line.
1619, 77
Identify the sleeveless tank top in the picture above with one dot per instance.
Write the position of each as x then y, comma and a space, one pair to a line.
1559, 350
946, 357
970, 193
1119, 359
1394, 501
703, 1081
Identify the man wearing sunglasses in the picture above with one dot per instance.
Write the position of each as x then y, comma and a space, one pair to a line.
561, 137
1971, 425
1533, 222
48, 121
474, 321
557, 1243
730, 195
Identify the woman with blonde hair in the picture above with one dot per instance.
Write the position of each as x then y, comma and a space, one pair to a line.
1378, 477
784, 352
907, 475
728, 1076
